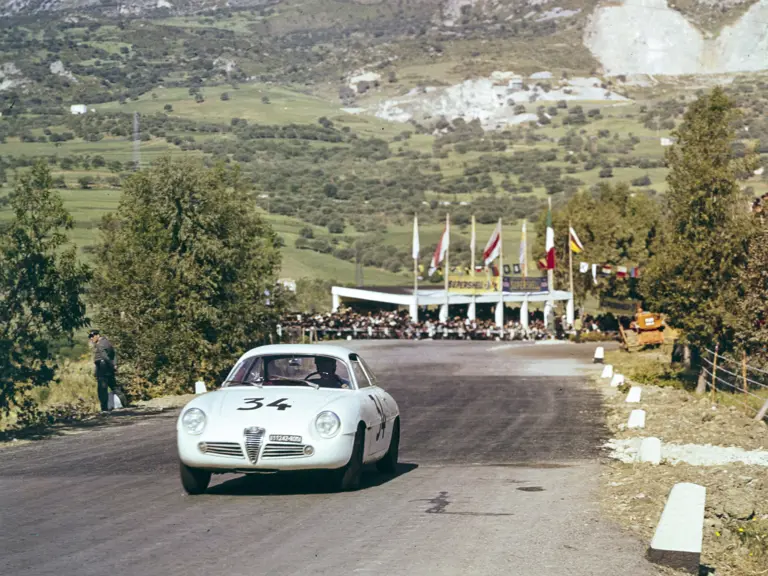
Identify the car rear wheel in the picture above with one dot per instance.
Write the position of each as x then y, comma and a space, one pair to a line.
193, 480
348, 477
388, 464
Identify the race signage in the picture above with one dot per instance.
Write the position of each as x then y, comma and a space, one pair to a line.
518, 284
468, 284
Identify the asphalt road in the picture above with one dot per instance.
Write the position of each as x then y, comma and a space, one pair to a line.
499, 476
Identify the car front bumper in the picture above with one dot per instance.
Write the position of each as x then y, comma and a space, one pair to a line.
219, 452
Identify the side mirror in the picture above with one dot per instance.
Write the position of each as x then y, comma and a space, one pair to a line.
200, 387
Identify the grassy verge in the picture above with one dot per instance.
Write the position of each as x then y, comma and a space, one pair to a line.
634, 495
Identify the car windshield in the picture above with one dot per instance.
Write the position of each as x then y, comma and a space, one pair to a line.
291, 370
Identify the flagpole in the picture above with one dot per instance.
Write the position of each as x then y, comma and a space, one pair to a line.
446, 268
473, 247
472, 260
415, 253
525, 249
501, 277
570, 258
550, 271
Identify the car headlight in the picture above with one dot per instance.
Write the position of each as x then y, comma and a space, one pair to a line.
327, 424
193, 420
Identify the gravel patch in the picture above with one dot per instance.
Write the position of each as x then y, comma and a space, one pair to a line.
626, 451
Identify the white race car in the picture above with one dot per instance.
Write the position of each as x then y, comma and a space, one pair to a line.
290, 407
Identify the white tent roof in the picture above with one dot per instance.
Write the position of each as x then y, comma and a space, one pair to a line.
429, 296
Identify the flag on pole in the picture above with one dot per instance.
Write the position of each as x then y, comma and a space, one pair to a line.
550, 244
576, 245
522, 245
440, 250
594, 273
415, 252
583, 267
493, 246
621, 272
634, 272
607, 269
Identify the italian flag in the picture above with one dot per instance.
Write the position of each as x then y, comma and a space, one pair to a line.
550, 242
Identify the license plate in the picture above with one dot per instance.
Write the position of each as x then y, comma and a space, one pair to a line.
284, 438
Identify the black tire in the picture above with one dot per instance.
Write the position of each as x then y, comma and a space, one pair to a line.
388, 464
193, 480
347, 479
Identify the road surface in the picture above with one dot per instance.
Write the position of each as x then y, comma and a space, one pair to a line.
498, 475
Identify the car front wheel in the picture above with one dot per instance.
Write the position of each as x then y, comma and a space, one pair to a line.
388, 464
348, 477
193, 480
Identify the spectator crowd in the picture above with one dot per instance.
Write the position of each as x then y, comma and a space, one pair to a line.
348, 324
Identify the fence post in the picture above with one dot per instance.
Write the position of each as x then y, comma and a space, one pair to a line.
744, 370
714, 372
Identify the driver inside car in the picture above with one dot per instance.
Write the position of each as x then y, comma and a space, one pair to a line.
326, 369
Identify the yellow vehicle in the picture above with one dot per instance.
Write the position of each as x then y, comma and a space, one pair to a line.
647, 329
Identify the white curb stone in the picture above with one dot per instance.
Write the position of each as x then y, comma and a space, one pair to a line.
636, 419
607, 371
617, 380
634, 395
650, 450
599, 355
678, 539
200, 387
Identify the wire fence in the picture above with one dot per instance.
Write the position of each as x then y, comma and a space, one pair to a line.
735, 381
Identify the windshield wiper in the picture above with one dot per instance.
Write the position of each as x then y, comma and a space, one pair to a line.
307, 382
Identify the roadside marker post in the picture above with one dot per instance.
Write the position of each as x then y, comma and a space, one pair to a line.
677, 542
650, 451
617, 380
636, 419
607, 371
599, 355
634, 395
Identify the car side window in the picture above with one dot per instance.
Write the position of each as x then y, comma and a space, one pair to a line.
369, 372
360, 375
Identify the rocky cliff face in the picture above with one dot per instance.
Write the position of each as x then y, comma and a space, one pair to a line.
649, 37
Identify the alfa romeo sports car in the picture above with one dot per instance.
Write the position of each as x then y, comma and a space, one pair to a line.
290, 407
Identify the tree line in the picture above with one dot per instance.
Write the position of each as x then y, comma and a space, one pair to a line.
701, 249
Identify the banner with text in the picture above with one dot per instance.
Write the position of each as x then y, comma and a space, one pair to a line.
520, 284
468, 284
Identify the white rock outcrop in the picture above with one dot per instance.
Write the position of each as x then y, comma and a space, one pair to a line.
649, 37
491, 100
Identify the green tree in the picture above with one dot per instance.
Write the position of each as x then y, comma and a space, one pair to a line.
752, 335
693, 275
41, 287
186, 276
616, 227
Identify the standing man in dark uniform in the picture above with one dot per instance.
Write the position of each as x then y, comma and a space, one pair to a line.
105, 364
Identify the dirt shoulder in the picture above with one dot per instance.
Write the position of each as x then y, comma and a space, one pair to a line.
634, 495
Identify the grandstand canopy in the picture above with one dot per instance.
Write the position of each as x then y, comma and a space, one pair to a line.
403, 296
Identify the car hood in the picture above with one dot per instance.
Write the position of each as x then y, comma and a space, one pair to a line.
270, 406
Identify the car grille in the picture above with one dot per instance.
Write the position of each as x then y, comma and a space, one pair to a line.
282, 450
253, 440
224, 449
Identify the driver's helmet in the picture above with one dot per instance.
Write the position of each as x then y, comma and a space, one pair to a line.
325, 364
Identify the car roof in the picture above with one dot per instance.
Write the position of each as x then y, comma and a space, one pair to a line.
339, 352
